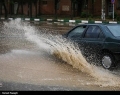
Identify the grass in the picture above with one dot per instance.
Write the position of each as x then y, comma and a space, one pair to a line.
66, 18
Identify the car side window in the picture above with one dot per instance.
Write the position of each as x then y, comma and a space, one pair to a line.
77, 32
101, 35
92, 32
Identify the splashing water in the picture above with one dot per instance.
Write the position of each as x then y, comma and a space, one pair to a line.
65, 50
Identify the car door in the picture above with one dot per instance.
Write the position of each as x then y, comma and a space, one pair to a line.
93, 40
76, 34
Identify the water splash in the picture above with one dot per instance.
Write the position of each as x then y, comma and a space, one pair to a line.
65, 50
70, 53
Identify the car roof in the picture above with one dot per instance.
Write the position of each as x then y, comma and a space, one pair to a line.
91, 24
104, 24
112, 24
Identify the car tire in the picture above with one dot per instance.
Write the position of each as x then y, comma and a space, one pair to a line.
108, 61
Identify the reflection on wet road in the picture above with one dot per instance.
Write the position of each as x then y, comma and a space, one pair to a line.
35, 57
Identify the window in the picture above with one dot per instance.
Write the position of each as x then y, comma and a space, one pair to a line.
85, 6
92, 32
44, 2
101, 35
115, 30
77, 32
118, 4
57, 4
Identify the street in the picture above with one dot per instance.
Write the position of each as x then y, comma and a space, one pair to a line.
32, 59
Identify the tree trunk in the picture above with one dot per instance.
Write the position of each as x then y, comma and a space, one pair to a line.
71, 10
55, 7
36, 9
11, 7
6, 13
30, 9
22, 7
18, 8
92, 6
0, 9
39, 12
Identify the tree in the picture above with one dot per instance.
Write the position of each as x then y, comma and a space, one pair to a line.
35, 4
2, 3
0, 9
39, 12
56, 7
92, 6
30, 8
20, 3
76, 7
11, 7
30, 2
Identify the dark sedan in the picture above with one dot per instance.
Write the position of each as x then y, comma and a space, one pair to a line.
99, 43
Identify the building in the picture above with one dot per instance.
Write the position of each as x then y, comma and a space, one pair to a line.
73, 8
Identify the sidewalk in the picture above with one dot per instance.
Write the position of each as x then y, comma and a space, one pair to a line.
64, 20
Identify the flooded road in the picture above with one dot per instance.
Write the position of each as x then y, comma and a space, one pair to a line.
36, 57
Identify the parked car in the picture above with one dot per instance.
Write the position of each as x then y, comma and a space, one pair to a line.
99, 42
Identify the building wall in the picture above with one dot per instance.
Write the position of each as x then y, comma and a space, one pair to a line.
47, 9
64, 8
97, 7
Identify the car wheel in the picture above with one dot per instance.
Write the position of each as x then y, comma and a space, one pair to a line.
108, 61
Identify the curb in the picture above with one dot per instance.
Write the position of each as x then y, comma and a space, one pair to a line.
63, 20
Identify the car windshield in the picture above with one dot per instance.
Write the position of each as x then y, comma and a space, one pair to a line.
115, 30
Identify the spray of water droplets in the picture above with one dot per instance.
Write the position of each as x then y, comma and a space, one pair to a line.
66, 50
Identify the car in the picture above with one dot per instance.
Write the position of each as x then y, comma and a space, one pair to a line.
99, 43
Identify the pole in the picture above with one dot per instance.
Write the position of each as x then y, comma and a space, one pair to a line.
113, 2
113, 11
102, 11
104, 8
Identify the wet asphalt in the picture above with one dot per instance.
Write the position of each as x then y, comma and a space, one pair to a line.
12, 86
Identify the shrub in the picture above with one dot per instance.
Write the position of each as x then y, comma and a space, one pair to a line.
118, 18
84, 14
